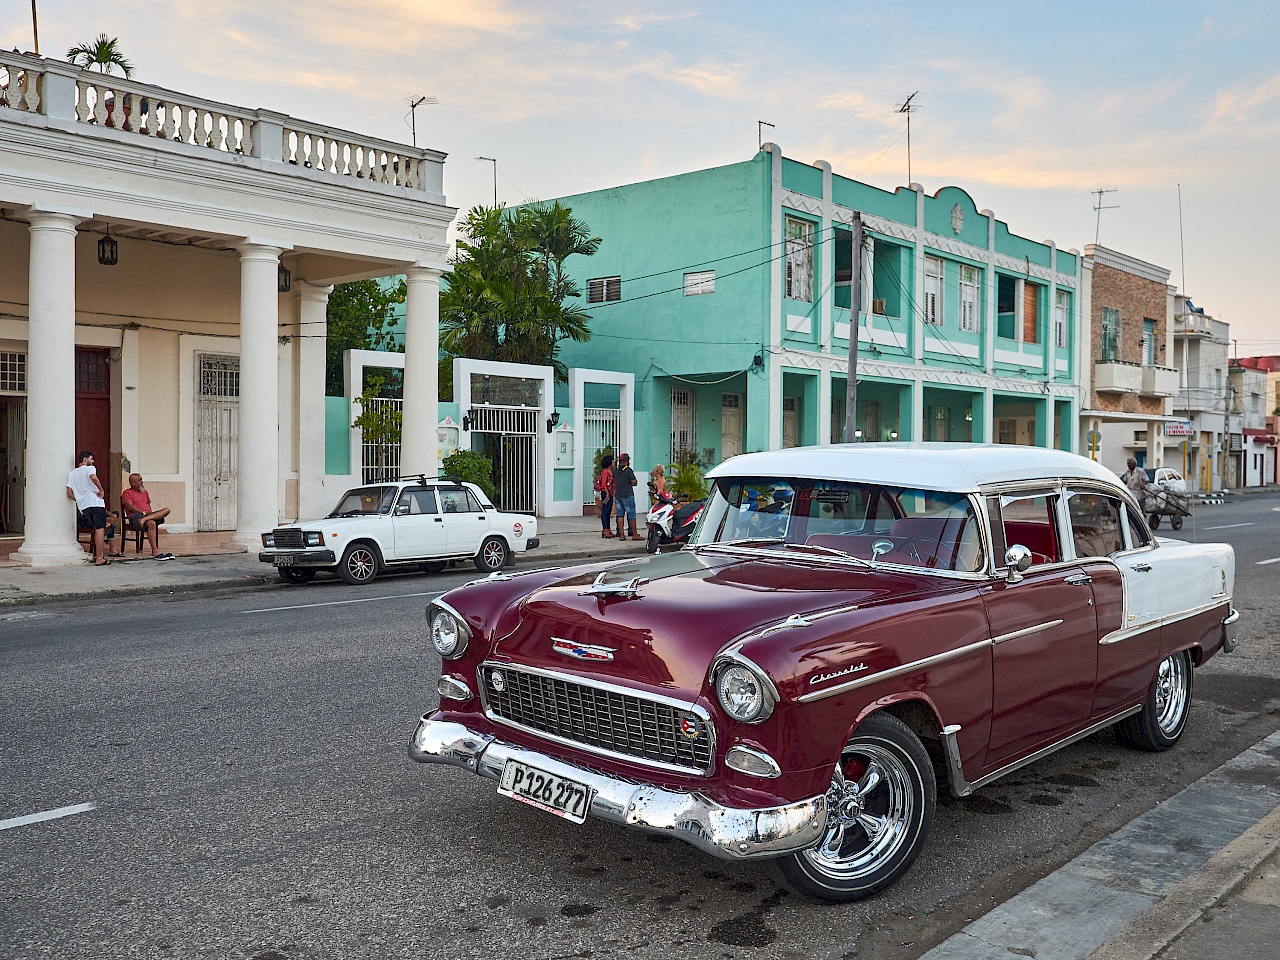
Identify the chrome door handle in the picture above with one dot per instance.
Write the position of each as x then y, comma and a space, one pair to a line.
1079, 579
1140, 567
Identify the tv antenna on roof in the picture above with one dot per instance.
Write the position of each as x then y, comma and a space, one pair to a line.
1098, 208
760, 125
907, 107
414, 103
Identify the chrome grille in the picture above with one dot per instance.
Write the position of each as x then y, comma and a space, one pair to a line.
287, 538
599, 718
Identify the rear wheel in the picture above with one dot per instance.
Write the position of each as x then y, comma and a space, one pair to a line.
1155, 520
1176, 523
359, 564
433, 566
652, 544
879, 810
1163, 717
290, 575
493, 555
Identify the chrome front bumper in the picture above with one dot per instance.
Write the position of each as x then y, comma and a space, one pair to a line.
725, 832
1230, 631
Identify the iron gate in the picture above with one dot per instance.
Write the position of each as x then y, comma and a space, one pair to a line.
601, 428
509, 437
217, 436
380, 462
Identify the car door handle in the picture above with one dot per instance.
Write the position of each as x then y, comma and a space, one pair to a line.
1079, 579
1140, 567
439, 519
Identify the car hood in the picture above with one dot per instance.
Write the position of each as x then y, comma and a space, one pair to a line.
689, 608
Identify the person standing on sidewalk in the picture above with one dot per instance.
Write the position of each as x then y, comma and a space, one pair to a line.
604, 493
84, 487
624, 487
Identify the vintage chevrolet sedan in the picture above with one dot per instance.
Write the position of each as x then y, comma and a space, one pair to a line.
849, 625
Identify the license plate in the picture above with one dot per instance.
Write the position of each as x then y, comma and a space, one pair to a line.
556, 795
283, 560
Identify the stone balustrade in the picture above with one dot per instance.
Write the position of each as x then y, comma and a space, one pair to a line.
62, 91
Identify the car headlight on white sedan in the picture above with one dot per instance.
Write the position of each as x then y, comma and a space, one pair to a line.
449, 632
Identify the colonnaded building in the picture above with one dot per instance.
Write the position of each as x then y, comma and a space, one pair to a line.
165, 263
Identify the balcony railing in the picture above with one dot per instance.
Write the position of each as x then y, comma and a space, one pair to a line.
1193, 325
1117, 377
1160, 381
62, 91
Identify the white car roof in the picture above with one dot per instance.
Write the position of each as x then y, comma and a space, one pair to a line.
958, 467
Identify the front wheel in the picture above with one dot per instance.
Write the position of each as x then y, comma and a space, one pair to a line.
652, 544
1160, 723
492, 556
1176, 523
879, 810
290, 575
359, 564
1155, 521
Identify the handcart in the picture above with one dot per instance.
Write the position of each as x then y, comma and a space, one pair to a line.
1163, 502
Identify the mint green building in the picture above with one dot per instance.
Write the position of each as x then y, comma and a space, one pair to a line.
726, 292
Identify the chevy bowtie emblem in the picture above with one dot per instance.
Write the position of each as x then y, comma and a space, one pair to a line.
581, 651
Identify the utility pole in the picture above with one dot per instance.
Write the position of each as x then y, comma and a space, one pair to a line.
1098, 208
907, 107
35, 27
495, 178
855, 310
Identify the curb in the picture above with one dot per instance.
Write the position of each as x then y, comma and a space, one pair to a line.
1224, 872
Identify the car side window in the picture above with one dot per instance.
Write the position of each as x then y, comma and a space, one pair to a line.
1095, 524
1032, 522
458, 500
421, 502
1139, 535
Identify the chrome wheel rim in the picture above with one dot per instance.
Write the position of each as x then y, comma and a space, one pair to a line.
494, 554
361, 564
1171, 694
870, 809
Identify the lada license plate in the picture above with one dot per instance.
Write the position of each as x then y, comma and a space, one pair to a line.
283, 560
564, 798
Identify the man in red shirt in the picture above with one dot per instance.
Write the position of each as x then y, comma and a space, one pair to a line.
139, 515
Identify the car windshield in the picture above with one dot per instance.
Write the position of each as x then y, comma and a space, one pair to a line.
867, 522
365, 501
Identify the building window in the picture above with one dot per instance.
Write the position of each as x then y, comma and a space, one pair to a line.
1006, 308
933, 291
1007, 431
696, 284
1030, 312
1109, 347
1148, 343
13, 372
604, 289
684, 422
92, 375
1061, 310
799, 252
969, 299
733, 400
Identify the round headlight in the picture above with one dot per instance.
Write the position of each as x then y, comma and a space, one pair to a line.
741, 693
446, 634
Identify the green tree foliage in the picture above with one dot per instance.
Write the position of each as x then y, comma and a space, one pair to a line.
379, 424
103, 53
471, 468
359, 318
505, 297
688, 482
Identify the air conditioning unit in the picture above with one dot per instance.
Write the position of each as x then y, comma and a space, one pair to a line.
877, 306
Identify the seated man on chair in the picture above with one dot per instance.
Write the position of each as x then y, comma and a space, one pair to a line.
140, 516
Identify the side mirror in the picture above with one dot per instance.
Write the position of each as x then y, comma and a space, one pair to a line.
1017, 559
402, 510
880, 547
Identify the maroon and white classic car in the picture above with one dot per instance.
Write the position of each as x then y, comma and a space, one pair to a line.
849, 624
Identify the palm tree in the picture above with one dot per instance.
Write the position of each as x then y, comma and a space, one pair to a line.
103, 53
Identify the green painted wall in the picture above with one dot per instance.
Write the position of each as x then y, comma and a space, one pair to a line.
937, 216
801, 178
337, 435
1020, 247
900, 205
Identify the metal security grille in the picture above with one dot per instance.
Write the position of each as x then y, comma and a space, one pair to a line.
287, 538
684, 422
13, 372
599, 719
493, 419
380, 462
511, 442
217, 441
600, 429
219, 377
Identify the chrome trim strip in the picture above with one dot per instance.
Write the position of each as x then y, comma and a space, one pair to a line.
726, 832
775, 771
451, 688
906, 668
955, 771
1116, 636
1026, 631
611, 688
795, 620
1230, 631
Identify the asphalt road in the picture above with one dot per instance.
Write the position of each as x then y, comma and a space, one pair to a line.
244, 755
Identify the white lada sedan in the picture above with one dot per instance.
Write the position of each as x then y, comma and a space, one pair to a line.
384, 526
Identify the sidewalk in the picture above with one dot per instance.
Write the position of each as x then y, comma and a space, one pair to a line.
207, 560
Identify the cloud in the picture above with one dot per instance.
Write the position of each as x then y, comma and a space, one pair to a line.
635, 22
1239, 105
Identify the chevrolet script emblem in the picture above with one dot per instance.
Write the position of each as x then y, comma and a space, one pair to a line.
581, 651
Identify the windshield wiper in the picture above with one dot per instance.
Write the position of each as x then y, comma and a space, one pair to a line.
347, 513
818, 548
741, 542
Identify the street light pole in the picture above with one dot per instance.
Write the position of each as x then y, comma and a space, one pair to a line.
495, 178
855, 308
35, 27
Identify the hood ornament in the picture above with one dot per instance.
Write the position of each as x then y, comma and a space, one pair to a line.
582, 651
623, 588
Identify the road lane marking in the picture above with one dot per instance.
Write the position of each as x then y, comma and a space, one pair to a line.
338, 603
1228, 526
47, 815
1263, 563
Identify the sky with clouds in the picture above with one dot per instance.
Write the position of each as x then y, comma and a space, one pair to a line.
1027, 106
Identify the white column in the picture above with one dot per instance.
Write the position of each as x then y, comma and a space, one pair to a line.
313, 322
421, 370
988, 416
258, 466
824, 408
49, 539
